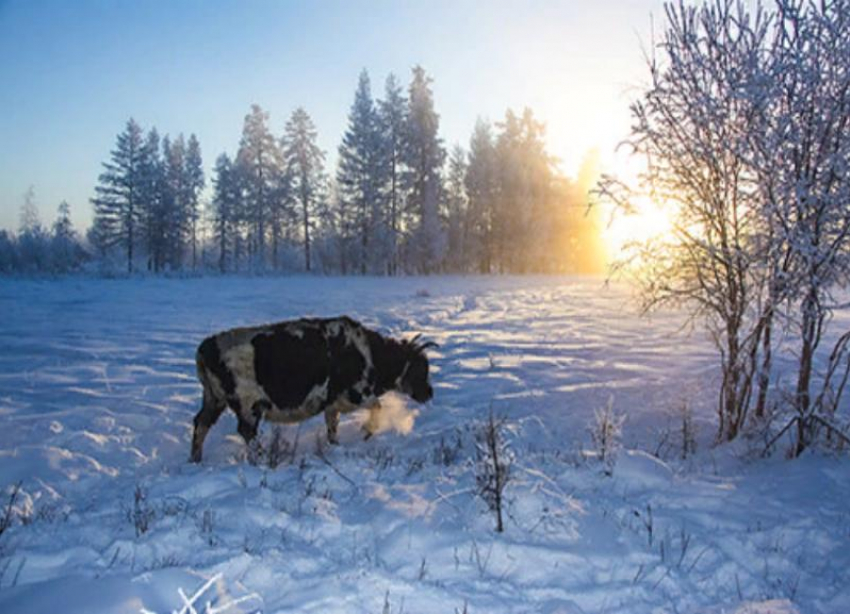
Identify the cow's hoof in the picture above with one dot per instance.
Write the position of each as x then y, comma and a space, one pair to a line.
367, 435
334, 441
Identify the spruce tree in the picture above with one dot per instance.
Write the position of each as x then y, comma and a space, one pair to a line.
225, 205
65, 251
359, 177
176, 200
423, 158
392, 118
116, 203
194, 184
454, 211
481, 192
260, 167
304, 164
152, 213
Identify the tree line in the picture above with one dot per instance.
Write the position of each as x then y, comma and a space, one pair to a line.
397, 203
39, 249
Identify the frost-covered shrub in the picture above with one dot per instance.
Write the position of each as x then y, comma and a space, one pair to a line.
492, 466
606, 431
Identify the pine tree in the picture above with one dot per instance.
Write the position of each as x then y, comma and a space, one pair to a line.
360, 174
33, 246
30, 220
392, 118
423, 158
175, 200
225, 203
454, 211
65, 251
525, 213
152, 212
194, 184
260, 166
509, 214
481, 191
304, 164
117, 201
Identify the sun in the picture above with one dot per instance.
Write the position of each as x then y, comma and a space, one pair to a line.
647, 221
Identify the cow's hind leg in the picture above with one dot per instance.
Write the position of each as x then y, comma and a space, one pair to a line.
210, 411
332, 422
373, 424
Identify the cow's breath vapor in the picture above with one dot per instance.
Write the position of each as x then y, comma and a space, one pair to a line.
395, 415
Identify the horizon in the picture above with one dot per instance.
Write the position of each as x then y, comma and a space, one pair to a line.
82, 70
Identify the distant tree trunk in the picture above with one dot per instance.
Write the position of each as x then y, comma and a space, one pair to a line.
394, 219
130, 239
194, 244
306, 233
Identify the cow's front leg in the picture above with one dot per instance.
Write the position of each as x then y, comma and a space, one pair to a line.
332, 422
372, 424
209, 414
249, 420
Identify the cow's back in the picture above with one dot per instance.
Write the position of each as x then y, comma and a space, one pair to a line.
291, 363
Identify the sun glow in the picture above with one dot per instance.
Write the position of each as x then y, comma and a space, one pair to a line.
647, 221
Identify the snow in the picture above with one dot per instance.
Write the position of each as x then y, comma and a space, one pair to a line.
98, 390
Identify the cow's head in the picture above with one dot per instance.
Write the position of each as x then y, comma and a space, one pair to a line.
413, 380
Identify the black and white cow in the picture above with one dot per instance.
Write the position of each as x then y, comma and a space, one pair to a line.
290, 371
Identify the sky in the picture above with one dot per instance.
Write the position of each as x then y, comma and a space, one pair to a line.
72, 72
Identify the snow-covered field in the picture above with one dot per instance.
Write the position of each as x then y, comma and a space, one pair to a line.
98, 390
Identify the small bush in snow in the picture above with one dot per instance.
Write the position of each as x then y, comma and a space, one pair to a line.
8, 514
493, 466
687, 432
606, 433
448, 452
142, 514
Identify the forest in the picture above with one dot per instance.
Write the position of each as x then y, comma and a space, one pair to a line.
399, 201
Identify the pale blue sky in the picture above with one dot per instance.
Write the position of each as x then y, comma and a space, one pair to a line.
72, 73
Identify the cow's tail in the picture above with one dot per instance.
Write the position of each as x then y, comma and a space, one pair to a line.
207, 346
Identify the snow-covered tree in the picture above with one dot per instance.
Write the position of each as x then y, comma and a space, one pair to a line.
175, 200
304, 164
454, 211
225, 209
695, 127
194, 185
527, 215
802, 159
423, 156
481, 189
33, 242
152, 202
360, 175
66, 253
392, 117
30, 220
116, 204
261, 166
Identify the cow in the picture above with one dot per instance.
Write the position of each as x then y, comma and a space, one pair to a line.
290, 371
